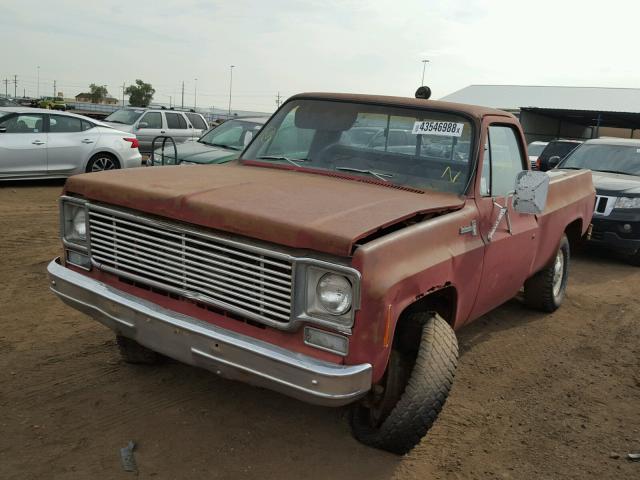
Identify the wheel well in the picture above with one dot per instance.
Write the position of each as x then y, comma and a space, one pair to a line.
407, 333
107, 154
574, 232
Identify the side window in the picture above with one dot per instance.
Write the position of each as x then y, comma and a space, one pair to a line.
506, 159
152, 119
175, 120
87, 125
64, 124
196, 121
23, 123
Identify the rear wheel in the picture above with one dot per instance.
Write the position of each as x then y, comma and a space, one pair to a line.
403, 407
546, 289
102, 161
635, 259
132, 352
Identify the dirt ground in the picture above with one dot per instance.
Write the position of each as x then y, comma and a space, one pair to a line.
536, 396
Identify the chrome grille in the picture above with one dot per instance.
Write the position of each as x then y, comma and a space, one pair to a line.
236, 277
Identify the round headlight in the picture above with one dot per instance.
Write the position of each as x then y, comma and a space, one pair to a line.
79, 226
335, 293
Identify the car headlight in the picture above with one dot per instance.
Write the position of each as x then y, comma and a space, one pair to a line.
627, 202
335, 293
74, 223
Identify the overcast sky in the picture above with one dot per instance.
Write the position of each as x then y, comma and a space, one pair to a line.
372, 46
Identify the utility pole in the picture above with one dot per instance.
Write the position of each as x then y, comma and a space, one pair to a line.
278, 100
182, 104
195, 92
231, 67
24, 93
123, 89
6, 87
38, 91
15, 86
54, 89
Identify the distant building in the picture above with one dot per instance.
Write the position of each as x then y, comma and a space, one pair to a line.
86, 98
548, 112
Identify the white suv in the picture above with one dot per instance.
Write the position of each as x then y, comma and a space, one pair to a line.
149, 123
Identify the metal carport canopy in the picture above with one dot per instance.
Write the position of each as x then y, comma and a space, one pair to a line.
590, 117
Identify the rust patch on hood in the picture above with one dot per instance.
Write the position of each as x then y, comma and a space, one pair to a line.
291, 208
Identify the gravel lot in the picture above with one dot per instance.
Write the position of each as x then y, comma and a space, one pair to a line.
536, 396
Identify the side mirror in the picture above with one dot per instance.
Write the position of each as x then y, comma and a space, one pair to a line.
3, 129
531, 192
143, 125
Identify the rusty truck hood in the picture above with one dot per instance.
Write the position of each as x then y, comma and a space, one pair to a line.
291, 208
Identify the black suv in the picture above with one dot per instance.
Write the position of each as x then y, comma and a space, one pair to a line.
615, 163
554, 152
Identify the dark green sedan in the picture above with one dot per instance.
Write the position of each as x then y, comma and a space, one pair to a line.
218, 145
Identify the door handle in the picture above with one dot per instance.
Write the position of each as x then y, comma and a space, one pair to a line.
161, 131
87, 140
38, 142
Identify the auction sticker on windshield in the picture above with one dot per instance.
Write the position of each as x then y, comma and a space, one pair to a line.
444, 129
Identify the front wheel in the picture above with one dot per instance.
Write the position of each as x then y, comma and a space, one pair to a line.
546, 289
403, 407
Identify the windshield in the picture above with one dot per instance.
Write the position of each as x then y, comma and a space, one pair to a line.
417, 148
535, 149
558, 149
232, 134
127, 117
605, 158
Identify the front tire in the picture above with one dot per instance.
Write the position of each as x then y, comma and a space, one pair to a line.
413, 395
102, 161
546, 289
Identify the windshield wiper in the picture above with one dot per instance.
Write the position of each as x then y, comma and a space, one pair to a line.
292, 161
117, 121
378, 175
614, 171
222, 145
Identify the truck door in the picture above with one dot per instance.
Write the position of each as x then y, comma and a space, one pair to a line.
510, 237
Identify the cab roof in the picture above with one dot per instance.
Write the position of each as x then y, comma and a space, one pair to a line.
474, 111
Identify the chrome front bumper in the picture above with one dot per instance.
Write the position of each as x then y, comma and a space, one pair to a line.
228, 354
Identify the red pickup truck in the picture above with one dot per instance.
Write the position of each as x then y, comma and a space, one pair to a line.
335, 259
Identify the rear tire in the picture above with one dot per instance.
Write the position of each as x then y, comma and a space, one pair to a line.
413, 395
546, 289
102, 161
634, 259
132, 352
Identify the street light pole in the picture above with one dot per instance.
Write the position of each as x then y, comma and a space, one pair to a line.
195, 92
424, 67
230, 86
38, 91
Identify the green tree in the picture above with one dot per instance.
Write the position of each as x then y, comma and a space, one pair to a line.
140, 94
98, 92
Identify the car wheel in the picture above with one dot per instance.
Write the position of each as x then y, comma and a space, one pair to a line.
402, 408
102, 161
634, 259
546, 289
132, 352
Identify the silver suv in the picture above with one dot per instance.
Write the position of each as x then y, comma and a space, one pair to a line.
148, 123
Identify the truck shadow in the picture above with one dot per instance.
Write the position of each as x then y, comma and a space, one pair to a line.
52, 182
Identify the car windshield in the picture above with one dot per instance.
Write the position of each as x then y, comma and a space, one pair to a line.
535, 149
232, 134
559, 149
605, 158
125, 116
418, 148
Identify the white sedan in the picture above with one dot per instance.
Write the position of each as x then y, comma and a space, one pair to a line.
38, 143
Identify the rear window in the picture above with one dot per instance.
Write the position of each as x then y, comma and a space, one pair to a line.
175, 120
196, 121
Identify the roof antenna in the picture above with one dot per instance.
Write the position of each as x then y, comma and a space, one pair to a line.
423, 92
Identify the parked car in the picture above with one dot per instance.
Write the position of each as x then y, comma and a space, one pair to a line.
7, 102
534, 149
148, 124
36, 143
329, 271
53, 103
218, 145
615, 164
554, 152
